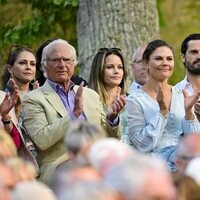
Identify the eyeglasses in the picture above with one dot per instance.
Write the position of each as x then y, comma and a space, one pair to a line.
56, 61
109, 50
137, 61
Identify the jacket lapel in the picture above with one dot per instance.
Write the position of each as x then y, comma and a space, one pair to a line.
54, 99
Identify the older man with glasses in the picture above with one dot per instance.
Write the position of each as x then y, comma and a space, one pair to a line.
140, 74
51, 108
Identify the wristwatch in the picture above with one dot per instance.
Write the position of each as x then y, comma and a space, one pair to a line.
6, 121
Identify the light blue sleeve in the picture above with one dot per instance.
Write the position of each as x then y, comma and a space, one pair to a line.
191, 126
145, 127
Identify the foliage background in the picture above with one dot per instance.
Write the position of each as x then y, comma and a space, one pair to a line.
178, 19
31, 22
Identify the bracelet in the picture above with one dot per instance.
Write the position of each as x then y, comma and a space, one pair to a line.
6, 122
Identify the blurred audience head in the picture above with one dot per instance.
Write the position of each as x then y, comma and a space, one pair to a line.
7, 182
7, 146
22, 170
88, 191
187, 149
80, 136
65, 177
193, 169
142, 177
108, 152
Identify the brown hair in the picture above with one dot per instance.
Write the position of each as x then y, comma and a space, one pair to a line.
187, 188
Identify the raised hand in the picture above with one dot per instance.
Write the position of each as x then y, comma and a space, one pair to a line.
15, 96
78, 101
6, 105
117, 105
35, 84
189, 103
162, 100
197, 108
118, 92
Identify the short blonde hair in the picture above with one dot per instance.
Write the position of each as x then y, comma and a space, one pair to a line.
23, 170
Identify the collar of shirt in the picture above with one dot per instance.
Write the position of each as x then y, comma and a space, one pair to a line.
67, 98
187, 86
56, 86
134, 86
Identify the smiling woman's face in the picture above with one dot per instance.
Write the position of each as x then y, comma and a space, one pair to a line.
161, 63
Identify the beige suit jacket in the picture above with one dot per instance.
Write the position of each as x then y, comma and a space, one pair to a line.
46, 121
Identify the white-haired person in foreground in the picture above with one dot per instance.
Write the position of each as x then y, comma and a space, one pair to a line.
80, 136
64, 178
78, 139
108, 152
141, 177
88, 191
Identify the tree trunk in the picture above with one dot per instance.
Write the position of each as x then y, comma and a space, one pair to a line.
124, 24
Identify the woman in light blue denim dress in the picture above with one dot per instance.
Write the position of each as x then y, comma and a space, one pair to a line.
158, 114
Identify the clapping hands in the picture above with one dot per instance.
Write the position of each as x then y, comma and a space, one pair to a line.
11, 100
189, 103
78, 102
117, 105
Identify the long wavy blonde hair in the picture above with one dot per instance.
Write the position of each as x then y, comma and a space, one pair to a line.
96, 79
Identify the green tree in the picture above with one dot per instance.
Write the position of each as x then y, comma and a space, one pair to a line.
31, 22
